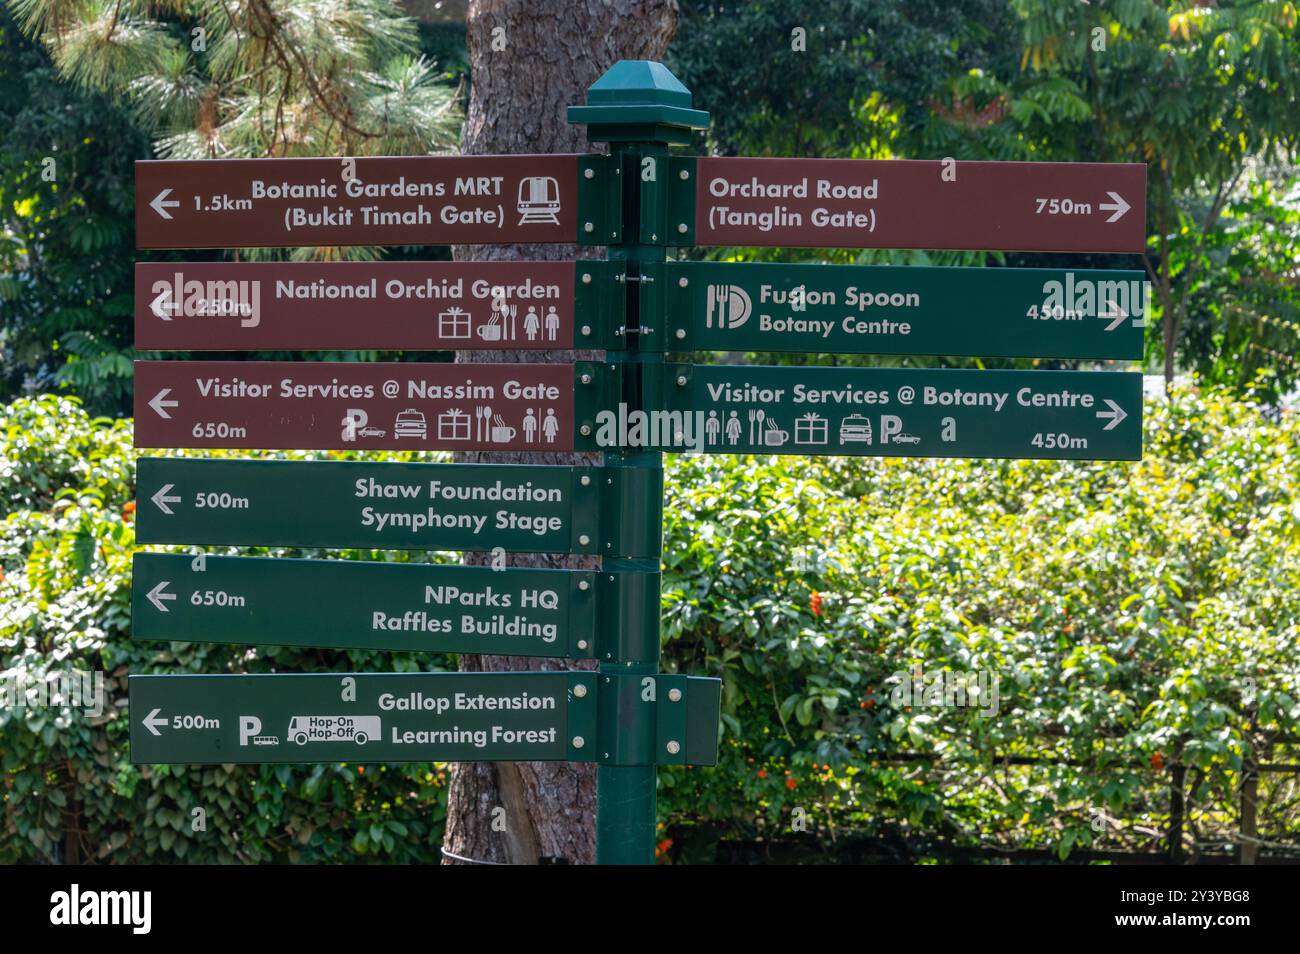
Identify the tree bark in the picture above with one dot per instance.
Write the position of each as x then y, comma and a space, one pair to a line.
532, 812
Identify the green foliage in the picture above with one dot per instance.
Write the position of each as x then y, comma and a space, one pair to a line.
1136, 616
70, 791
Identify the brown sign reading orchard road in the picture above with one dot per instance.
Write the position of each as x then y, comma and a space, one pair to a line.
363, 406
414, 200
427, 306
941, 204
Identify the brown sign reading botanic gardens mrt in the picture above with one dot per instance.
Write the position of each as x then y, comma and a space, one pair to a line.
329, 406
941, 203
306, 306
412, 200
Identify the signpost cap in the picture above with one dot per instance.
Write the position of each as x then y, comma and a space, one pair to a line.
639, 101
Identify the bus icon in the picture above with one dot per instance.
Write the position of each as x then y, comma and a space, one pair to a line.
341, 728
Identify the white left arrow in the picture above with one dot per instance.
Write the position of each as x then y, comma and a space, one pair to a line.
162, 305
158, 403
151, 722
1116, 414
161, 499
1116, 208
156, 595
161, 203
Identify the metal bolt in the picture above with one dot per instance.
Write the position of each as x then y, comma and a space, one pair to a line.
584, 585
586, 379
590, 173
580, 691
586, 429
684, 174
586, 329
683, 281
674, 695
586, 276
674, 747
584, 539
579, 741
585, 480
681, 380
589, 227
582, 644
681, 228
681, 333
654, 237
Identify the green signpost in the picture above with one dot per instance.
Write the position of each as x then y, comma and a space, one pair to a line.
627, 717
376, 606
915, 310
903, 412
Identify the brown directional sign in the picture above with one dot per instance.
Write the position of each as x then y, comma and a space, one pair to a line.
362, 406
942, 204
412, 200
243, 306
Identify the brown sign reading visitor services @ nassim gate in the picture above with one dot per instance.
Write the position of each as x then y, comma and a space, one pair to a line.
941, 204
304, 306
408, 200
355, 405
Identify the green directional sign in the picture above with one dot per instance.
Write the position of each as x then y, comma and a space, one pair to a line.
356, 504
895, 412
419, 717
364, 717
349, 604
864, 309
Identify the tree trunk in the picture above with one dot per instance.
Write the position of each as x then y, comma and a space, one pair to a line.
519, 94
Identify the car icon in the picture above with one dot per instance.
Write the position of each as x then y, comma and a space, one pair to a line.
855, 429
906, 439
371, 432
411, 423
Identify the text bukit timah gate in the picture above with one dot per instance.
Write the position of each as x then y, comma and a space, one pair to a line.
639, 201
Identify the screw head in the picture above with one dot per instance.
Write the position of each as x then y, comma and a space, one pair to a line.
681, 333
674, 695
584, 585
579, 741
585, 429
580, 691
681, 228
674, 747
589, 227
584, 480
586, 276
684, 174
590, 173
582, 644
654, 237
584, 539
586, 329
681, 380
586, 379
683, 281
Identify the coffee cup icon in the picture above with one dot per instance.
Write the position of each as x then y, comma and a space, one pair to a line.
490, 332
502, 433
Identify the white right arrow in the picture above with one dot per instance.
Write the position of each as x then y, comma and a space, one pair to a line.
151, 722
1116, 208
156, 595
162, 305
1116, 414
158, 404
161, 203
1116, 314
161, 500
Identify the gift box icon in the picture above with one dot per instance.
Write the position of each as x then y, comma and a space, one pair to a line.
453, 323
453, 425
